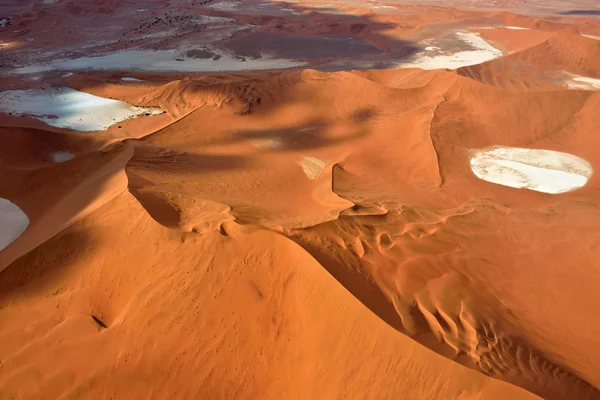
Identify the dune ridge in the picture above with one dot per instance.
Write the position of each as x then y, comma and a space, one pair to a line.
318, 232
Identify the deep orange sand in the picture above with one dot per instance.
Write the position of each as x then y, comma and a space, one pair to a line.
189, 256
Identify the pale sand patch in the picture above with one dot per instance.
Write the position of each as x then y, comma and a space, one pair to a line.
69, 108
162, 61
224, 5
308, 128
514, 28
590, 36
289, 10
481, 52
62, 156
13, 222
271, 143
312, 166
582, 82
543, 171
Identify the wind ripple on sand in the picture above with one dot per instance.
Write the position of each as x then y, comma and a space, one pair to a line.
430, 298
179, 274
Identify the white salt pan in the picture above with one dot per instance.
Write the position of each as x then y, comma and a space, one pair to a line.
482, 52
13, 222
539, 170
128, 79
69, 108
224, 5
161, 61
514, 28
62, 156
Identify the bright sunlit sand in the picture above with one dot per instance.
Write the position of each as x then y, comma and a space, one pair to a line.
579, 82
312, 166
516, 28
591, 36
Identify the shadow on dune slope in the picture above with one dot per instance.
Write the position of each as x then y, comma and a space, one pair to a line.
581, 12
417, 267
37, 271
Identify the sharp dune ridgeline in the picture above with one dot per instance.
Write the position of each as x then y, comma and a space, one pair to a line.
299, 200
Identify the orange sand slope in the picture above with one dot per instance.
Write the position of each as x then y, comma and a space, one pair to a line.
217, 200
237, 314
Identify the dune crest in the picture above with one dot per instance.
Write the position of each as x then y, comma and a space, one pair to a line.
301, 200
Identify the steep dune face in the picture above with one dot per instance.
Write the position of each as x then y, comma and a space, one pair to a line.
441, 296
426, 261
423, 234
540, 66
203, 316
52, 205
325, 124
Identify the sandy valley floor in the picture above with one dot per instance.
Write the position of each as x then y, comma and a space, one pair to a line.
299, 200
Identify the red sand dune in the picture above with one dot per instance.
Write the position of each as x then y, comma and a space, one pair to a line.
311, 232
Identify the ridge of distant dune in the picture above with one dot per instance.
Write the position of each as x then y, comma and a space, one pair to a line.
353, 229
535, 68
